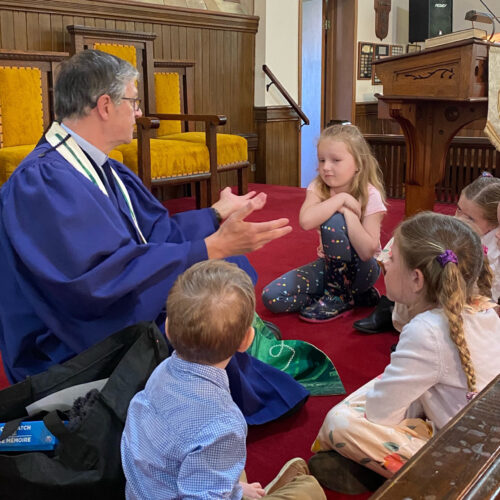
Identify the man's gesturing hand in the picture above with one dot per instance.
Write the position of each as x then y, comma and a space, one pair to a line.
236, 236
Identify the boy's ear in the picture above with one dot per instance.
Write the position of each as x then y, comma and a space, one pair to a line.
166, 329
247, 340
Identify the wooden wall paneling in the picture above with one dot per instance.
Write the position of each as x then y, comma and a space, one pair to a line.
68, 21
45, 31
7, 29
278, 151
165, 43
20, 31
32, 34
174, 43
120, 25
57, 28
182, 42
248, 77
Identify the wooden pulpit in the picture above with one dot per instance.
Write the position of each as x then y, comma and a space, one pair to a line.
432, 94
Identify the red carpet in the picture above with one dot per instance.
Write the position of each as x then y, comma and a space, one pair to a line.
357, 357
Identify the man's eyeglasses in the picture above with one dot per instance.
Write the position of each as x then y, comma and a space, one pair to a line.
135, 100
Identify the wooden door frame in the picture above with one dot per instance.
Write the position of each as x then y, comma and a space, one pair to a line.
339, 60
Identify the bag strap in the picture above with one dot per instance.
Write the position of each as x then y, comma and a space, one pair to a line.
10, 427
131, 374
73, 449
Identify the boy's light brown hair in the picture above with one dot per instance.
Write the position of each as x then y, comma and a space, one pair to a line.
209, 309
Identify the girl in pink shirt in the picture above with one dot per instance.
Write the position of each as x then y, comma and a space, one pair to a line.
346, 203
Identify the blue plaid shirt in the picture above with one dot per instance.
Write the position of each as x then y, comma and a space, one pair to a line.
184, 436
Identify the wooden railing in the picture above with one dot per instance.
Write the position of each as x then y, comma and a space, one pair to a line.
284, 93
466, 159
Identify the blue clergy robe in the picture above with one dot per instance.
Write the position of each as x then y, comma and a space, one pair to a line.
74, 270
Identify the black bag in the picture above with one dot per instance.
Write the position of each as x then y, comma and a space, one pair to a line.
86, 462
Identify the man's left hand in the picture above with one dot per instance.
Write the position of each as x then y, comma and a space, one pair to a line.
230, 202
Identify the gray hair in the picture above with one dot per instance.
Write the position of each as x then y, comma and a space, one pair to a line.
86, 76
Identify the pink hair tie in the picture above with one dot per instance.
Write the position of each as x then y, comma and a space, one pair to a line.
485, 250
447, 256
470, 395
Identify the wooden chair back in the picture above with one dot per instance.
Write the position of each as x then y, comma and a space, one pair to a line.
26, 102
119, 43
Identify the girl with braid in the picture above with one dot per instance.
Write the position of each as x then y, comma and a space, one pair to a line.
446, 354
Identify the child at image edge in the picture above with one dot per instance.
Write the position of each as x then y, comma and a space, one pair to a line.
346, 202
479, 206
446, 354
184, 436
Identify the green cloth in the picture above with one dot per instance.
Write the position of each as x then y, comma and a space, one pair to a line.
304, 362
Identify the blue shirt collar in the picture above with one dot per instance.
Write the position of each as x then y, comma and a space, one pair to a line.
216, 375
95, 154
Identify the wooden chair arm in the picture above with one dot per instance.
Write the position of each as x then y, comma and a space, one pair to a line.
215, 119
146, 124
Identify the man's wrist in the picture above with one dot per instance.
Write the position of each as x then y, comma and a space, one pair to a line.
217, 215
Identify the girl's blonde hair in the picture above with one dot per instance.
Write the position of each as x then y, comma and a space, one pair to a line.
485, 193
424, 237
368, 168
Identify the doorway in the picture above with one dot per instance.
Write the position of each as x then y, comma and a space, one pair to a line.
311, 85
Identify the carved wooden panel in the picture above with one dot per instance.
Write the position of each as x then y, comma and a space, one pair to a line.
457, 71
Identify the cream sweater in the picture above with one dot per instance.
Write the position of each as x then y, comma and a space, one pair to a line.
425, 372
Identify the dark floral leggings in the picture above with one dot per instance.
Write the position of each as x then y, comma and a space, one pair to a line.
341, 272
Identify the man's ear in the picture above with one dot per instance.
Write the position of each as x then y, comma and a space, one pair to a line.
103, 105
247, 340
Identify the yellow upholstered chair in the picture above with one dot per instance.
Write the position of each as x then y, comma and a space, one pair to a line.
25, 80
174, 95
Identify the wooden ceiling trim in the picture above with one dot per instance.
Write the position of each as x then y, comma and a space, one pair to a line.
126, 10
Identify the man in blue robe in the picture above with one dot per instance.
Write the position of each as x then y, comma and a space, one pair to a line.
86, 250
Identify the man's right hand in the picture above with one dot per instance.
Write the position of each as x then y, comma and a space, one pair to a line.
237, 236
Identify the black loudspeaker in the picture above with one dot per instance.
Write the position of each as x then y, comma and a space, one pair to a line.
428, 18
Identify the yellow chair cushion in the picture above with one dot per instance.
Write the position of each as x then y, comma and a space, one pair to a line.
125, 52
11, 157
168, 101
169, 158
22, 109
230, 148
116, 155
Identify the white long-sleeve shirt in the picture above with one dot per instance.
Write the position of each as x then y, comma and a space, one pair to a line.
425, 370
